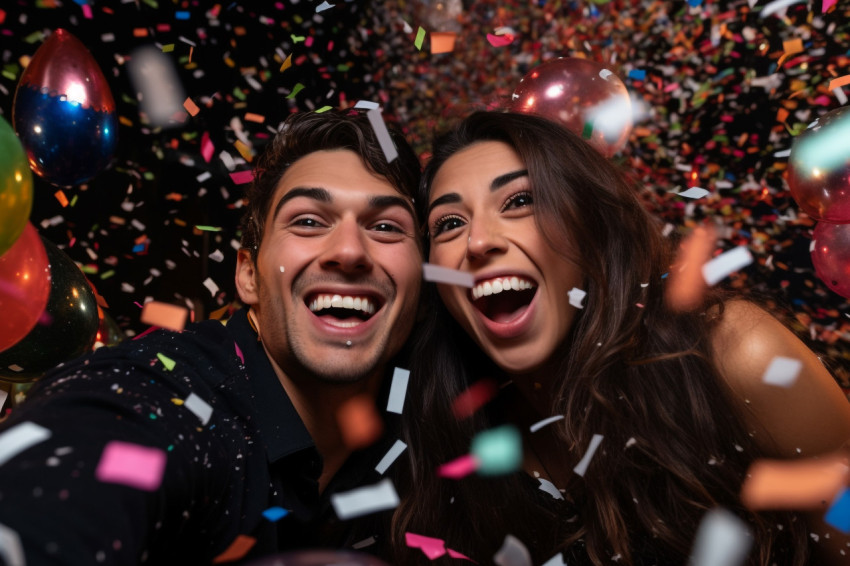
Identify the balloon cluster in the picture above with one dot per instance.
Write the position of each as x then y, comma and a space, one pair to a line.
65, 130
819, 180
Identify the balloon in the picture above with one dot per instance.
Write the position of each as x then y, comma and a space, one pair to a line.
819, 168
319, 558
64, 112
67, 330
24, 286
15, 187
582, 95
831, 256
108, 331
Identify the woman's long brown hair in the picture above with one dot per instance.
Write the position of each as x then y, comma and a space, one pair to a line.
675, 444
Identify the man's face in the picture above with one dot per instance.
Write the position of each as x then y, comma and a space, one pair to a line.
336, 284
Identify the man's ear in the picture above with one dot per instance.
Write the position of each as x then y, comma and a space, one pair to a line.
246, 277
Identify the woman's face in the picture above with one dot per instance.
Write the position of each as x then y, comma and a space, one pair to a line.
481, 220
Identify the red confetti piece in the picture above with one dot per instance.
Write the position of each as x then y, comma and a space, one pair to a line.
500, 40
475, 397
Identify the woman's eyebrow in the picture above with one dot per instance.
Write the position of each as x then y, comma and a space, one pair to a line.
503, 180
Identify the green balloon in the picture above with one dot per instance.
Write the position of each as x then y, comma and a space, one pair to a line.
67, 329
15, 187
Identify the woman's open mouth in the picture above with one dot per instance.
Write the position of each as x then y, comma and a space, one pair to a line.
503, 299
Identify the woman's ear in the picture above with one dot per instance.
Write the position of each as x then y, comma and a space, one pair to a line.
246, 277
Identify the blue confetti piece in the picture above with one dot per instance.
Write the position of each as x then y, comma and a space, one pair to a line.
637, 74
275, 513
498, 450
838, 514
138, 248
181, 15
694, 3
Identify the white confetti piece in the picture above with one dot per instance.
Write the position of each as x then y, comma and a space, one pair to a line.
581, 467
203, 176
783, 153
11, 548
200, 407
364, 543
605, 73
3, 396
154, 77
540, 424
367, 104
576, 296
438, 274
19, 438
782, 371
365, 500
282, 269
718, 268
722, 540
548, 487
557, 560
776, 6
323, 6
377, 121
693, 193
840, 96
512, 553
392, 454
398, 390
217, 256
211, 286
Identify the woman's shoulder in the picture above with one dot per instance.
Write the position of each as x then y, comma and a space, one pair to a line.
791, 401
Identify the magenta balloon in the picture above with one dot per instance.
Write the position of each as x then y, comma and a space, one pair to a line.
582, 95
831, 256
24, 286
819, 168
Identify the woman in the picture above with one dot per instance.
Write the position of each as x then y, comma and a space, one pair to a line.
568, 308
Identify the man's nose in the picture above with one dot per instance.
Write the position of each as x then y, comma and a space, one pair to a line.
347, 248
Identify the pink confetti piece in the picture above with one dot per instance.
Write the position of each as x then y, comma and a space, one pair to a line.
456, 554
500, 40
827, 4
133, 465
459, 467
239, 353
207, 147
242, 177
87, 14
433, 548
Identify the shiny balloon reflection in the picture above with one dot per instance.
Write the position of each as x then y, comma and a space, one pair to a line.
819, 168
64, 112
67, 330
831, 256
582, 95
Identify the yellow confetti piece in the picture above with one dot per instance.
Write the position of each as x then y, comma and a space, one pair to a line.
168, 48
420, 37
107, 274
177, 402
166, 361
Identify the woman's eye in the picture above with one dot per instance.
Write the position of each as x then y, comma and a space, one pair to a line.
446, 223
518, 200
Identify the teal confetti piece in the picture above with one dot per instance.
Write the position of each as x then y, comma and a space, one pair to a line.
838, 514
498, 450
587, 131
295, 90
420, 38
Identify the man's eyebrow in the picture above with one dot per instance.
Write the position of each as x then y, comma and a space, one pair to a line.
496, 184
503, 180
387, 201
315, 193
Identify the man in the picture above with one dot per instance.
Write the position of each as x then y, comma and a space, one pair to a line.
222, 443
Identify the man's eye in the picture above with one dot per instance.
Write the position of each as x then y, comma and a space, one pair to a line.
446, 223
306, 222
386, 227
518, 200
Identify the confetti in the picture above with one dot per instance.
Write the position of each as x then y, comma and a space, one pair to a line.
237, 549
724, 264
242, 177
359, 423
576, 297
459, 467
547, 421
20, 437
191, 107
686, 286
548, 487
557, 560
498, 450
365, 500
439, 274
398, 390
838, 514
782, 371
581, 467
494, 40
166, 361
512, 553
433, 548
799, 484
722, 539
11, 549
141, 467
377, 121
694, 193
475, 397
164, 315
275, 514
442, 42
392, 454
420, 38
199, 407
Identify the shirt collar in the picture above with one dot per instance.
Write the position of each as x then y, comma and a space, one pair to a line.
280, 425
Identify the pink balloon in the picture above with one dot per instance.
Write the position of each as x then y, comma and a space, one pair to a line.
831, 256
582, 95
819, 168
24, 286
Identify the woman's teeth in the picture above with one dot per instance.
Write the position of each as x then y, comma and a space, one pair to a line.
496, 286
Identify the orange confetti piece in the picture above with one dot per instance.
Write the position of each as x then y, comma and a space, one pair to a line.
251, 117
801, 484
174, 196
244, 150
443, 41
237, 549
687, 284
164, 315
359, 422
191, 107
286, 64
60, 196
140, 32
191, 51
792, 46
125, 121
781, 115
839, 82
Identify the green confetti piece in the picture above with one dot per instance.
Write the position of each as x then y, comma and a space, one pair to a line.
238, 93
9, 75
295, 90
298, 38
168, 48
34, 37
208, 228
342, 67
74, 200
107, 274
498, 450
587, 131
324, 109
148, 176
88, 269
152, 3
166, 361
420, 38
152, 416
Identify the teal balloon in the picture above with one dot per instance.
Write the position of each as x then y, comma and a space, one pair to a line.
66, 330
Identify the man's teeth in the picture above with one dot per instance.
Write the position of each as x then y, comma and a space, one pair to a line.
362, 304
496, 286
